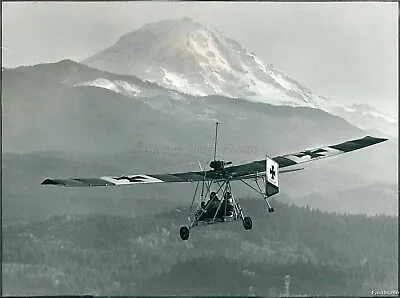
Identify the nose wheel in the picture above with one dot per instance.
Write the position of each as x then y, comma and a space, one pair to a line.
184, 233
247, 223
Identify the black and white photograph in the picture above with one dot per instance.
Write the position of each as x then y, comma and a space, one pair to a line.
200, 149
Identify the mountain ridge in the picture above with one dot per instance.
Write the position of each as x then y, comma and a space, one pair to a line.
72, 78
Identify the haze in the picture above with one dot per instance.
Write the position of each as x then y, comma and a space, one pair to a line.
344, 51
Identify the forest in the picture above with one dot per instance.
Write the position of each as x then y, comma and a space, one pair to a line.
324, 253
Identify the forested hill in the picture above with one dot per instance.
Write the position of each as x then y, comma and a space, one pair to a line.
325, 254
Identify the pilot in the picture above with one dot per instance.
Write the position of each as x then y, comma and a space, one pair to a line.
228, 202
212, 203
208, 209
213, 199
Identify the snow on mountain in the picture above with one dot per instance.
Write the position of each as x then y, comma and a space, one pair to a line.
116, 86
192, 58
368, 110
366, 117
179, 83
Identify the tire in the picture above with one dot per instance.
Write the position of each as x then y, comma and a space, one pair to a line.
247, 223
184, 233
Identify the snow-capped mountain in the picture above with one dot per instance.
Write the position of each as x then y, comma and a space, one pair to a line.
192, 58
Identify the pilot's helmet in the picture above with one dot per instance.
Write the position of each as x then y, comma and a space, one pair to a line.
213, 195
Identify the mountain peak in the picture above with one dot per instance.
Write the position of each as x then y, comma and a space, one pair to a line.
165, 29
193, 58
184, 21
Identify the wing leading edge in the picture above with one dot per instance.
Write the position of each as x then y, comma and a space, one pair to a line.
244, 171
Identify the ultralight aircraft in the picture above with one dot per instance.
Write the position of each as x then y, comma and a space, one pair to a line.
264, 174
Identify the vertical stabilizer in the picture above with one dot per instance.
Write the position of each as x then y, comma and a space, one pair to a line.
272, 179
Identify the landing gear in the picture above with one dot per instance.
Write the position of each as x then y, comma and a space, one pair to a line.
271, 210
184, 233
247, 223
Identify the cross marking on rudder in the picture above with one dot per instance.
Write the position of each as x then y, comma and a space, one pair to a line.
272, 172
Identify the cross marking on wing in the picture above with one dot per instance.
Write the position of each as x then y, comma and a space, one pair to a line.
131, 179
311, 153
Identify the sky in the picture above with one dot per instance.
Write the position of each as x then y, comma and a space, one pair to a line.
344, 51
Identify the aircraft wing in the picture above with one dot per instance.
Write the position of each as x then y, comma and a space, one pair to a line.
128, 179
328, 151
257, 168
244, 171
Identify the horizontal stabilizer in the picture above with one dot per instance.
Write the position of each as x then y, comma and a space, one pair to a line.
290, 170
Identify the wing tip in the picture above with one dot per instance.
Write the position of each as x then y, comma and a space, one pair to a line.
51, 182
377, 140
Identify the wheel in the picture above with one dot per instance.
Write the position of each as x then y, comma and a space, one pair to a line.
271, 210
184, 233
247, 223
